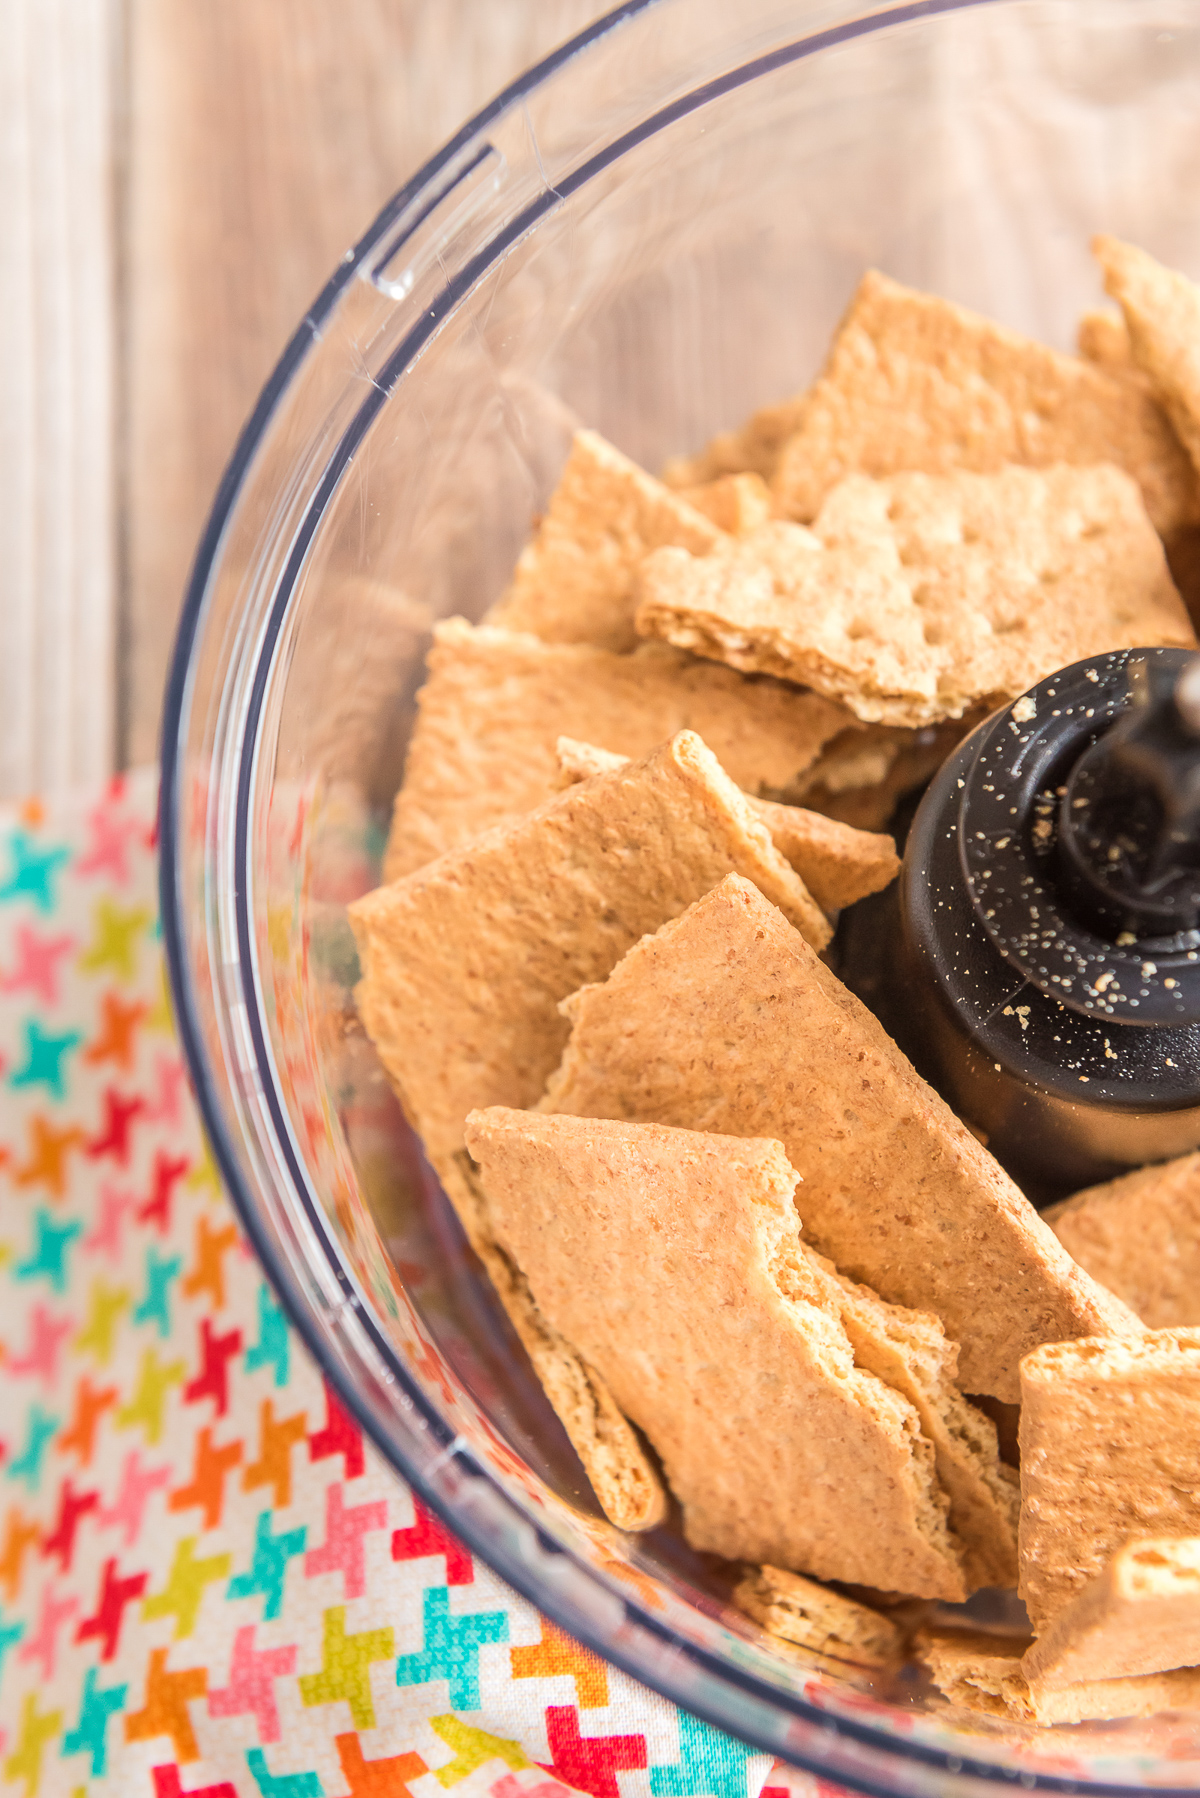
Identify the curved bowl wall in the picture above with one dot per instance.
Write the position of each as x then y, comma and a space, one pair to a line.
651, 233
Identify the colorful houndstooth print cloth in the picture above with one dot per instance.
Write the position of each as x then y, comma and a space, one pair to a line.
210, 1586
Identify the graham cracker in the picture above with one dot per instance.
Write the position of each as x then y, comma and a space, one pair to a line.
1162, 314
726, 1020
862, 775
495, 703
664, 1256
913, 382
810, 1615
574, 580
465, 961
1141, 1615
837, 864
751, 449
1104, 339
908, 1349
983, 1673
1140, 1237
916, 597
1110, 1447
736, 503
623, 1477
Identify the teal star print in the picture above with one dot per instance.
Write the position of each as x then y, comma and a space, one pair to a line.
90, 1734
451, 1649
268, 1569
271, 1349
159, 1274
33, 871
282, 1785
48, 1256
28, 1464
10, 1635
708, 1762
44, 1059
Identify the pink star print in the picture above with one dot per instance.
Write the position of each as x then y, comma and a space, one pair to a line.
165, 1107
111, 833
104, 1237
137, 1483
43, 1646
46, 1336
342, 1550
37, 963
251, 1685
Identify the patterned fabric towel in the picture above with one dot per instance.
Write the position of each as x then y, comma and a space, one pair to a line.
210, 1586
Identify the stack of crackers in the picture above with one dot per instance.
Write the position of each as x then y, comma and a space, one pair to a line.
776, 1291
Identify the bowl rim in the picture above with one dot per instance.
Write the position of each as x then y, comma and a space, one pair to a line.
417, 198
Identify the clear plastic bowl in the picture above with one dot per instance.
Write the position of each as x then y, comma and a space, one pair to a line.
651, 233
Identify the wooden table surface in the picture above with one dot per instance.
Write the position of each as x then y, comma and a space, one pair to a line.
182, 180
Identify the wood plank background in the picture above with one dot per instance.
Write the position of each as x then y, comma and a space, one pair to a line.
180, 179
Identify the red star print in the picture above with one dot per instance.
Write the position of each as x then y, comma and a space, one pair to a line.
167, 1173
212, 1380
72, 1506
113, 1136
115, 1594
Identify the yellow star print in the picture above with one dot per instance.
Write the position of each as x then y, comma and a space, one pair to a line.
146, 1405
97, 1332
115, 934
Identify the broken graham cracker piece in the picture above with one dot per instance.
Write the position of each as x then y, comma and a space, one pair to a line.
909, 1351
860, 778
837, 864
495, 702
913, 598
799, 1610
622, 1475
1140, 1236
983, 1673
1103, 338
1140, 1615
913, 382
1110, 1445
574, 580
725, 1020
1162, 314
465, 961
752, 449
736, 503
665, 1257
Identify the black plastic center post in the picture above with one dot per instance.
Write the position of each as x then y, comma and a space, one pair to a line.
1049, 954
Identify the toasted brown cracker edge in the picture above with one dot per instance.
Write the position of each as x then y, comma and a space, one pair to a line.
623, 1477
915, 597
983, 1673
800, 1610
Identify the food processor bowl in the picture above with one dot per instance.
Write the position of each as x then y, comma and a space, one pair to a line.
651, 233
